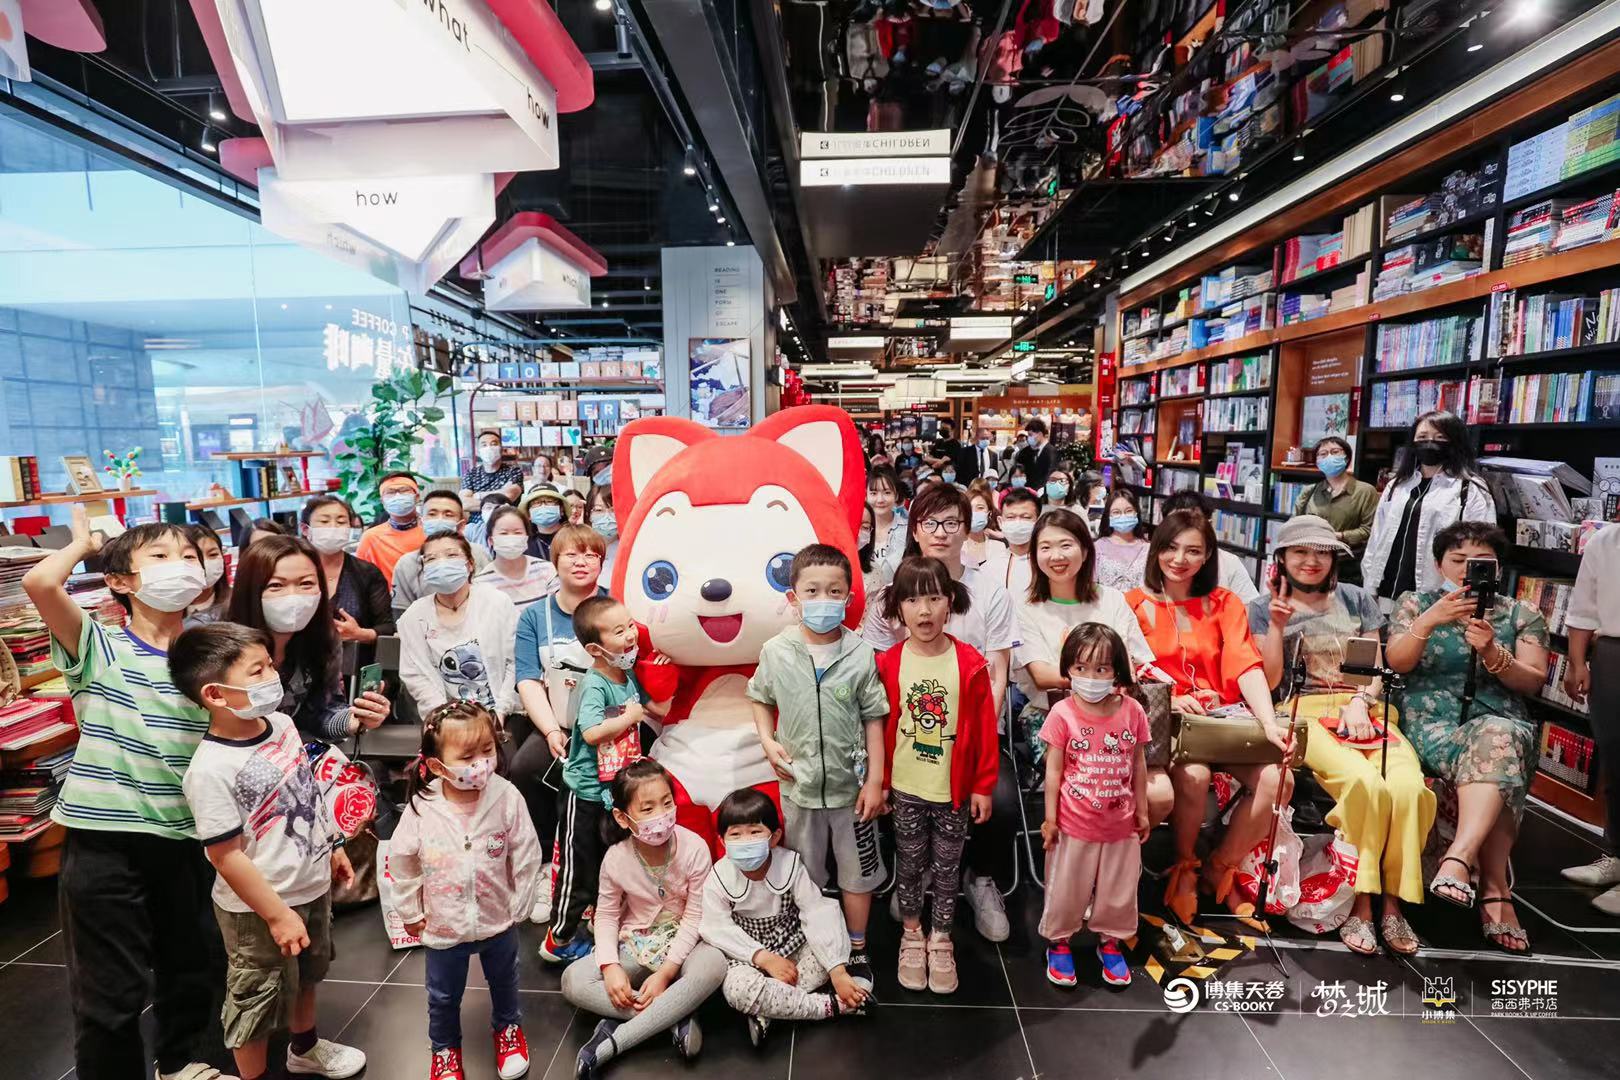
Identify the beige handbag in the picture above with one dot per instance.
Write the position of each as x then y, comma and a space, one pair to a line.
1230, 740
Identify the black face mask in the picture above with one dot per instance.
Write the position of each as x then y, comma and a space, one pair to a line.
1325, 585
1431, 452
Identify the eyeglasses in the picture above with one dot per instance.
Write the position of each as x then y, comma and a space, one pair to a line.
579, 556
948, 526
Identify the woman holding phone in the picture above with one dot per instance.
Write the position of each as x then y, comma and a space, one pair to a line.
1304, 628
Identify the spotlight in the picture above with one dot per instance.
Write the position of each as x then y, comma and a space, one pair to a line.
208, 144
714, 207
1192, 223
604, 5
215, 113
1394, 95
721, 220
731, 243
646, 286
604, 303
1146, 250
1299, 152
689, 169
1233, 196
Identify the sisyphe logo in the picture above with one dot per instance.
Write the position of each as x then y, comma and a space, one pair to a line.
1181, 995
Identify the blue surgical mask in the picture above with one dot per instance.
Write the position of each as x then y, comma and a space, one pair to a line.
546, 515
949, 476
400, 505
445, 576
1448, 586
1057, 489
438, 526
602, 477
605, 524
1331, 464
822, 616
984, 444
748, 855
981, 518
1122, 523
1017, 481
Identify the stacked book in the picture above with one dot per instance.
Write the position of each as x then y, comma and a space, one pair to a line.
1411, 217
15, 562
1532, 230
36, 748
1358, 232
1179, 382
1592, 138
1535, 163
1415, 267
23, 632
1240, 319
1585, 223
1399, 402
1450, 339
1303, 256
1233, 284
1303, 307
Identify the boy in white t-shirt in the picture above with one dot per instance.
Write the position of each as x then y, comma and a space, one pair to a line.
269, 834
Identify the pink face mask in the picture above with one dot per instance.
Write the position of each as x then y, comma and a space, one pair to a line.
655, 830
473, 776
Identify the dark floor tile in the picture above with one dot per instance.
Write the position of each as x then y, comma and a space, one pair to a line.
390, 1024
940, 1043
361, 945
1085, 1046
1308, 1047
726, 1050
1554, 1051
978, 965
1571, 905
36, 1025
1547, 845
1581, 990
533, 972
27, 917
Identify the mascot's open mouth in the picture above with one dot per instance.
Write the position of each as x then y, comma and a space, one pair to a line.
722, 628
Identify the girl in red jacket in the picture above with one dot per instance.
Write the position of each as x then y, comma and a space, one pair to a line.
941, 759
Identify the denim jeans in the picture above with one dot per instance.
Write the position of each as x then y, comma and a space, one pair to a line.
447, 980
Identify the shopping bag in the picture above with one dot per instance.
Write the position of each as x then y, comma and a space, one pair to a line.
1327, 884
1284, 891
387, 892
350, 793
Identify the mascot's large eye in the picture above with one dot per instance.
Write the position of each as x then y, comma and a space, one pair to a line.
779, 571
659, 580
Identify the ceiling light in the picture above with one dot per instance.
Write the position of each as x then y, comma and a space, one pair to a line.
646, 286
720, 220
1233, 196
1146, 250
215, 112
1394, 95
604, 5
714, 207
1527, 10
207, 143
731, 243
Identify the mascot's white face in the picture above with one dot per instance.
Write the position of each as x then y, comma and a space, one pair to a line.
710, 582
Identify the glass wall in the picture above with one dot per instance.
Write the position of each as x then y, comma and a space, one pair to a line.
133, 314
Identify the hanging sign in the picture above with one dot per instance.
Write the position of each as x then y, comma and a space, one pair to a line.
13, 49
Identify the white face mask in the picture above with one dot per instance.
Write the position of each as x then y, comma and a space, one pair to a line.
263, 697
213, 570
170, 586
1017, 531
289, 614
1092, 690
328, 539
489, 455
509, 546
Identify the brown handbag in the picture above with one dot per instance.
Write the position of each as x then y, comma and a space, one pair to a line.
1230, 740
1154, 697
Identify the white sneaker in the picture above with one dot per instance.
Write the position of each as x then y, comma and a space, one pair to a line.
196, 1071
327, 1058
1604, 870
541, 913
1609, 902
989, 913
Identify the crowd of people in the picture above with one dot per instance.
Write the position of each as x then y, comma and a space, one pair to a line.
1010, 602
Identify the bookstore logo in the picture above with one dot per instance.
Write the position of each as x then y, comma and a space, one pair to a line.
1439, 1000
1524, 998
1181, 995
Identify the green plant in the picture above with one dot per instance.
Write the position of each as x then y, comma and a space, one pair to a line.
403, 409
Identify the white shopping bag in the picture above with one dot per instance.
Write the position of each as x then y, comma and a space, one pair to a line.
393, 923
1284, 891
1327, 888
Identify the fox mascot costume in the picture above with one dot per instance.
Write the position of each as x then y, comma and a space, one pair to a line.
708, 526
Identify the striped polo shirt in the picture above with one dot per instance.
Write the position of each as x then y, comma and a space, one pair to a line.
137, 733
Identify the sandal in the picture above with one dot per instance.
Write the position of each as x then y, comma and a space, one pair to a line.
1358, 936
1219, 882
1495, 931
1399, 936
1449, 881
1181, 894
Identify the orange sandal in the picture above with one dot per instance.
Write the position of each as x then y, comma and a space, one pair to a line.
1181, 894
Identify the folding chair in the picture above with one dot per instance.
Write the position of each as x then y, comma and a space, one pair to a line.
399, 737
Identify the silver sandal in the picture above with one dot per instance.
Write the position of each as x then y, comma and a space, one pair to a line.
1494, 931
1448, 881
1397, 929
1362, 931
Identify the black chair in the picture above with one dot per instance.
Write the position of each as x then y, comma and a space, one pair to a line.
400, 736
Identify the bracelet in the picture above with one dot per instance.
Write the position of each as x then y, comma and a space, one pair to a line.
1413, 633
1506, 661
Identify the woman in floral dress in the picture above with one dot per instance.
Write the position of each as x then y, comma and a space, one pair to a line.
1489, 759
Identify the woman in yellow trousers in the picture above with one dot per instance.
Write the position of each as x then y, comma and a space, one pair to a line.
1382, 806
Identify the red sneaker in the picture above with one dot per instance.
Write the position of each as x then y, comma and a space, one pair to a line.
447, 1064
511, 1052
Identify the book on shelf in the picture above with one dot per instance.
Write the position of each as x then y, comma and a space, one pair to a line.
1535, 163
1483, 399
1285, 494
1605, 488
1552, 689
1556, 397
1450, 339
1550, 596
1238, 373
1592, 138
1549, 321
1399, 402
1568, 756
1236, 414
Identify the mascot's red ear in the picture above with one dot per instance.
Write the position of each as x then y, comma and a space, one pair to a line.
824, 436
644, 447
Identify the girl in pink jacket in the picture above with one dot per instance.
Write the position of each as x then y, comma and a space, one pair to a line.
466, 865
649, 972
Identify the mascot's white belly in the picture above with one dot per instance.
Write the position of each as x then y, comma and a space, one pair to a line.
715, 750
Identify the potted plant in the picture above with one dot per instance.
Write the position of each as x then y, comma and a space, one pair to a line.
402, 411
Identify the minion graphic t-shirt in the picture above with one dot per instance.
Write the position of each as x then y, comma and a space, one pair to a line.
929, 691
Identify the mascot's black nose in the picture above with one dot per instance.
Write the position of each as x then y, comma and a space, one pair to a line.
716, 589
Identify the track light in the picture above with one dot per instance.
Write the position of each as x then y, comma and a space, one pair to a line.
731, 243
721, 220
215, 113
689, 169
714, 207
1233, 196
604, 5
207, 143
646, 285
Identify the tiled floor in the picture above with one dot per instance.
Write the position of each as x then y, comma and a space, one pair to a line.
1007, 1022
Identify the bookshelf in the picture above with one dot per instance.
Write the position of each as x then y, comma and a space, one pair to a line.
261, 476
1367, 364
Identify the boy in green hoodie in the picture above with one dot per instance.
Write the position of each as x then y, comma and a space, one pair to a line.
819, 708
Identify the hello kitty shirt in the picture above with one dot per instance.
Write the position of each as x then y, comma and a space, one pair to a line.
1098, 799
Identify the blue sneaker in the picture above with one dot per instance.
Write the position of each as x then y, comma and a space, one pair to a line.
1059, 965
553, 953
1115, 970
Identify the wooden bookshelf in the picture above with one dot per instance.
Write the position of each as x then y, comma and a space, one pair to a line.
265, 455
219, 504
64, 499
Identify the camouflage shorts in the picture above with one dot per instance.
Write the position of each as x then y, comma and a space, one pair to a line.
260, 983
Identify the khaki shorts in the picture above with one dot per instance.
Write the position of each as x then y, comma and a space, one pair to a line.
853, 844
260, 983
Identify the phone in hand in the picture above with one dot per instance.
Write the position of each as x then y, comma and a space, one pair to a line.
371, 679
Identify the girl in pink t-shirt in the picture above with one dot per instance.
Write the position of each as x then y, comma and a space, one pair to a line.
1096, 805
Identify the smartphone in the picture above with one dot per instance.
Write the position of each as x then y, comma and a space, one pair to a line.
1361, 660
371, 679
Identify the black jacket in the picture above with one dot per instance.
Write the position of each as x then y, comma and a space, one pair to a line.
376, 605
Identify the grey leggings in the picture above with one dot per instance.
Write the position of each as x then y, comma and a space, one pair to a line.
928, 838
702, 972
753, 993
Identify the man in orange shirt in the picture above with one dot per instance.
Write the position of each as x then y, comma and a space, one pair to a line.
384, 545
